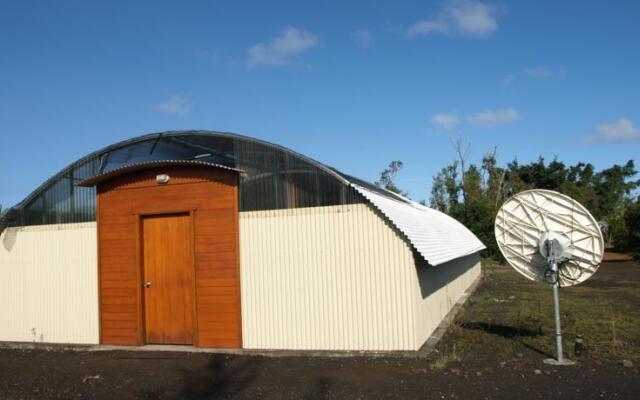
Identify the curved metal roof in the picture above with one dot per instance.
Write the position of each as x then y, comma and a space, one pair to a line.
436, 236
167, 134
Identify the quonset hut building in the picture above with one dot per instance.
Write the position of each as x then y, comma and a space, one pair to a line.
219, 240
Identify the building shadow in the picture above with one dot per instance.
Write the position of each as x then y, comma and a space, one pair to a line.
509, 332
222, 378
504, 331
432, 279
538, 351
320, 389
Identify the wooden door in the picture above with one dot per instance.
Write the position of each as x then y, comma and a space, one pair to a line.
168, 275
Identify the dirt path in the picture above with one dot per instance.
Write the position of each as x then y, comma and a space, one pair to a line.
493, 351
35, 374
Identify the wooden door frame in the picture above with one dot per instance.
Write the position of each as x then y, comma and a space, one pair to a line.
139, 216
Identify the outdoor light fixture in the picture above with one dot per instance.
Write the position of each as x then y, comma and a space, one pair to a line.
162, 179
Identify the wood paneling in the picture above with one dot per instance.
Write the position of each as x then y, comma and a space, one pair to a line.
167, 249
209, 198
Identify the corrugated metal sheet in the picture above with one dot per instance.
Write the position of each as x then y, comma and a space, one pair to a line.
340, 278
325, 278
49, 284
435, 235
437, 290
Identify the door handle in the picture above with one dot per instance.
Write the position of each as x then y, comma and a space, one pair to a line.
147, 284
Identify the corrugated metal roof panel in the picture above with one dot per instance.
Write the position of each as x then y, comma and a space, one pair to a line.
435, 235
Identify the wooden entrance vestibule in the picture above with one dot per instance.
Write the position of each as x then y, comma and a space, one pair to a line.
168, 256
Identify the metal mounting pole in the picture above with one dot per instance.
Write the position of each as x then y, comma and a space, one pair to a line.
559, 360
556, 311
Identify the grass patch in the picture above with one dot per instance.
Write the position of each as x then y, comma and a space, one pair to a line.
444, 357
510, 316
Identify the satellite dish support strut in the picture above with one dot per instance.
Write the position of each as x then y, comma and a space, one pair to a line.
553, 251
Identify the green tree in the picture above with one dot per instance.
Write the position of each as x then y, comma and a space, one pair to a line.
445, 191
388, 175
472, 185
475, 197
439, 199
613, 187
478, 217
630, 240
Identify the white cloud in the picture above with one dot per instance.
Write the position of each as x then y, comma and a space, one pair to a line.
280, 50
363, 38
446, 121
427, 27
619, 131
174, 105
482, 119
537, 73
473, 17
493, 118
462, 17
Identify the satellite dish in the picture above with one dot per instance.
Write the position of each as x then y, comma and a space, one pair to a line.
549, 238
530, 218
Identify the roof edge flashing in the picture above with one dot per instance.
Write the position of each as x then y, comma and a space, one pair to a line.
437, 237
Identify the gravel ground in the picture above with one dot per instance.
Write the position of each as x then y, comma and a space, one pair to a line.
482, 356
38, 374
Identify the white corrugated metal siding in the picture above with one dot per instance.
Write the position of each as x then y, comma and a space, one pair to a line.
325, 278
339, 278
49, 284
437, 289
435, 235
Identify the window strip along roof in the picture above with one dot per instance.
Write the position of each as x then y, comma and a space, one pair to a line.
94, 180
437, 237
168, 134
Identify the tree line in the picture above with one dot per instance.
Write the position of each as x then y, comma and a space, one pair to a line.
473, 193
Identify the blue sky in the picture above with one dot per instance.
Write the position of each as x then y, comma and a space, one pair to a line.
352, 84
